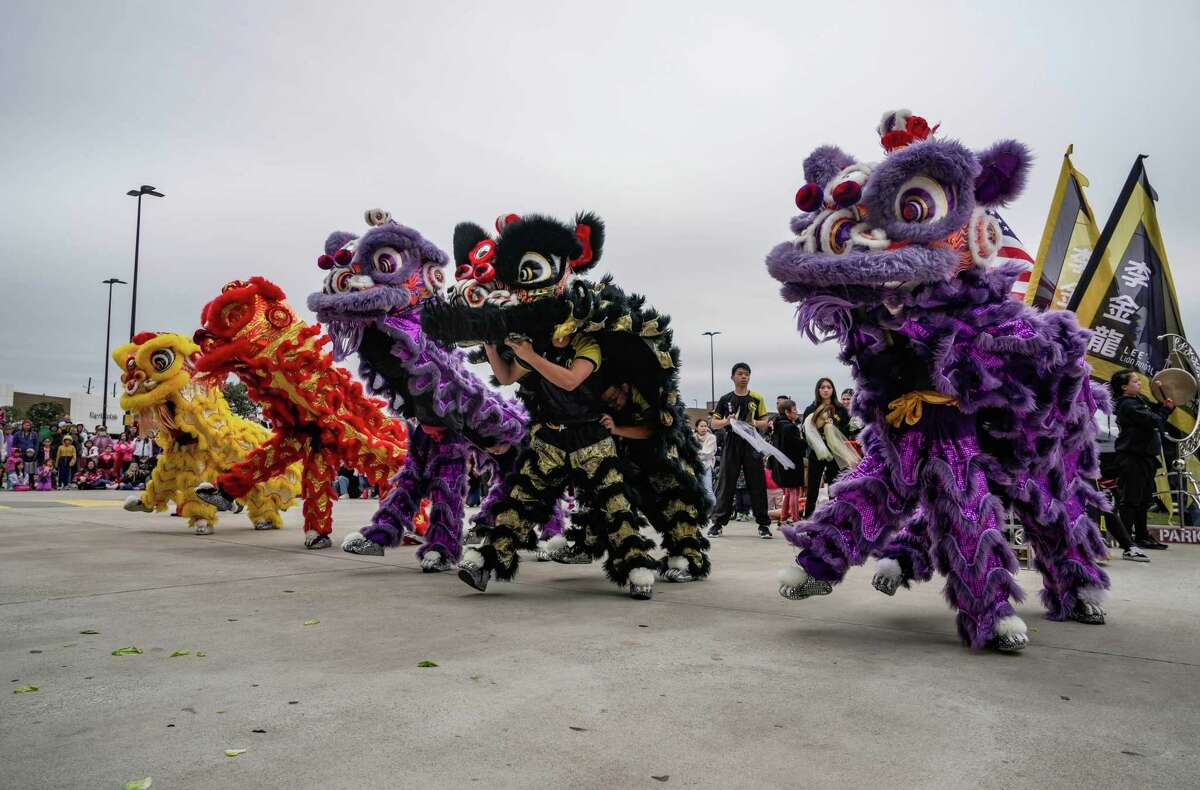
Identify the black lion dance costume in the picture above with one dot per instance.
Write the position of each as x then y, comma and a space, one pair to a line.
568, 342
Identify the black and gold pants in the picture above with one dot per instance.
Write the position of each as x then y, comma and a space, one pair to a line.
671, 497
583, 456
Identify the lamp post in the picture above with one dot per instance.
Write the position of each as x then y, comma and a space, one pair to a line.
144, 189
712, 370
110, 282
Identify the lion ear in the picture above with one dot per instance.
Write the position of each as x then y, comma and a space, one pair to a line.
589, 231
1005, 166
824, 163
466, 236
337, 240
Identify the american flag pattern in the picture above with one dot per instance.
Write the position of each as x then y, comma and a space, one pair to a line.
1012, 251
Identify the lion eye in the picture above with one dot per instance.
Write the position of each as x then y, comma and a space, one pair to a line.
533, 267
162, 359
921, 199
385, 261
339, 282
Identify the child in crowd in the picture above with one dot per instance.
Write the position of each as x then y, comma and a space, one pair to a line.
45, 478
790, 441
102, 440
91, 478
66, 459
90, 450
45, 457
18, 477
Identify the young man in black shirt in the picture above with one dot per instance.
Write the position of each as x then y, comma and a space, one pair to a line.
743, 405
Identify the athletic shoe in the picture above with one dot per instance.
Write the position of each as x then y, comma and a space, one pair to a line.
1149, 543
1134, 554
319, 542
765, 533
473, 575
714, 531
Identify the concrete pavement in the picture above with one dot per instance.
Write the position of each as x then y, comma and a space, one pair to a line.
554, 681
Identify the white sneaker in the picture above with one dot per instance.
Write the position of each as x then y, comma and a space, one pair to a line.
1134, 554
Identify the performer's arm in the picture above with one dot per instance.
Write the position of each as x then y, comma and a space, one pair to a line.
507, 371
563, 378
625, 431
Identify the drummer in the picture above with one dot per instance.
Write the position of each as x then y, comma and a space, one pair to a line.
1138, 448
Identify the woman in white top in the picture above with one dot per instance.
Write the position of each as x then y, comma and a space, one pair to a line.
708, 452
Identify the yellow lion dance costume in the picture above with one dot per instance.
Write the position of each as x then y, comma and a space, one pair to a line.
199, 436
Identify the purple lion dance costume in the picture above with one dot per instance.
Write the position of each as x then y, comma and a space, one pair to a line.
371, 303
973, 402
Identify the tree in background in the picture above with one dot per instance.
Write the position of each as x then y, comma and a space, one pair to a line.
44, 413
239, 402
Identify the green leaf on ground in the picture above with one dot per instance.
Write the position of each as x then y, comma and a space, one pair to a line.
426, 664
234, 752
26, 689
89, 631
127, 651
138, 784
200, 654
179, 653
311, 622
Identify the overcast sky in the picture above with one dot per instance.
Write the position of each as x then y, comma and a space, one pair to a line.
683, 124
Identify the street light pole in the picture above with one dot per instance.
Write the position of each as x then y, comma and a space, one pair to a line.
137, 242
110, 282
712, 370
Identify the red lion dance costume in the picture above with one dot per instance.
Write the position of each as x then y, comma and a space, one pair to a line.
321, 417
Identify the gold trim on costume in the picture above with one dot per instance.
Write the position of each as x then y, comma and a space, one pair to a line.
909, 407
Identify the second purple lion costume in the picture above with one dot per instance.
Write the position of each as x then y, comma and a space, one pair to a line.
973, 402
371, 303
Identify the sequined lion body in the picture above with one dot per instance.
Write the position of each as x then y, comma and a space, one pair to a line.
321, 417
199, 436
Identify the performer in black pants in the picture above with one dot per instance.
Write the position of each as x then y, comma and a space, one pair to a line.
825, 409
1138, 447
745, 405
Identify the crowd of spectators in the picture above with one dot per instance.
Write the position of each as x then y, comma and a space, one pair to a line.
63, 456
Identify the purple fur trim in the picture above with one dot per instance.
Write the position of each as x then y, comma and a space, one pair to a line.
828, 273
1005, 166
824, 163
447, 476
823, 318
456, 391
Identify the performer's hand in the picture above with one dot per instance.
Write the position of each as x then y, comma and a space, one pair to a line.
521, 347
498, 449
1169, 404
608, 423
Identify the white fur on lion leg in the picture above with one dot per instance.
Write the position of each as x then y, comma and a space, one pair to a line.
792, 576
431, 559
471, 557
796, 584
1011, 634
556, 543
887, 576
1093, 596
641, 584
203, 527
1089, 606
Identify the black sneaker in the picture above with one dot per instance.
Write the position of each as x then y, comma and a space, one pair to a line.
714, 531
1150, 543
764, 532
